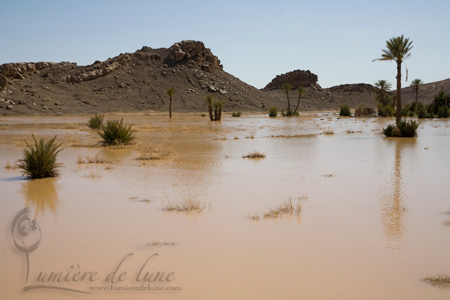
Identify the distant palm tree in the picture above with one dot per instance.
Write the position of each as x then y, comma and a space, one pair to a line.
287, 87
416, 84
170, 91
382, 88
397, 49
300, 91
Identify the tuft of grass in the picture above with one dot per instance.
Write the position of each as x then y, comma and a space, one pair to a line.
95, 122
10, 166
70, 126
328, 131
154, 153
286, 208
98, 159
254, 217
236, 114
345, 111
39, 159
203, 115
115, 133
442, 281
273, 111
254, 154
190, 203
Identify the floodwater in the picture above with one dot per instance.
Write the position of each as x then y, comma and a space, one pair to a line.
369, 220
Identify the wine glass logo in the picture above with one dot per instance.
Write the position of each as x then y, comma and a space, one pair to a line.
26, 234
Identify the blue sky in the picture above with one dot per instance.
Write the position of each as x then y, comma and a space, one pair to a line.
255, 40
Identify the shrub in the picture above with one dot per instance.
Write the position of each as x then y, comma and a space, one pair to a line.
345, 111
273, 111
95, 122
115, 133
407, 110
421, 111
39, 160
443, 112
385, 110
406, 128
236, 114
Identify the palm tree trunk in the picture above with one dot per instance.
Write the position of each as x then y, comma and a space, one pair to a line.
216, 114
399, 92
298, 104
170, 108
219, 115
417, 92
289, 102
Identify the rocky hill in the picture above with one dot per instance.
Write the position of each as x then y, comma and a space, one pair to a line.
130, 82
426, 92
296, 78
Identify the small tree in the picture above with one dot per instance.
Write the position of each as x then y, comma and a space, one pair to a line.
300, 91
382, 88
416, 84
287, 87
218, 106
170, 91
210, 99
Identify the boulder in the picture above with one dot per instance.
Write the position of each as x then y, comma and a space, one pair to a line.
366, 111
190, 52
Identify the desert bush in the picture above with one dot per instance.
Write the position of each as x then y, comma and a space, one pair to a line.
443, 112
115, 133
236, 114
95, 122
39, 159
385, 110
421, 111
273, 111
345, 111
406, 128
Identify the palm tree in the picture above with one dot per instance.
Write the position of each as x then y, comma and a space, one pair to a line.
170, 91
416, 84
287, 87
300, 91
397, 49
382, 88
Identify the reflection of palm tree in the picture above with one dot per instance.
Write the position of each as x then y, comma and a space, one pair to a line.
41, 193
393, 210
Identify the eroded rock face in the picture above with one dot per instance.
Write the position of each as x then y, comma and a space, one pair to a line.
3, 81
296, 78
18, 70
194, 52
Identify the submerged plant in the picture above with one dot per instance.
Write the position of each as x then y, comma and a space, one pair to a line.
115, 133
236, 114
406, 128
345, 111
95, 122
39, 159
273, 111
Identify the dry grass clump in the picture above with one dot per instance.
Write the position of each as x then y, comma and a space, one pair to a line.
442, 281
98, 159
254, 154
136, 199
157, 244
155, 153
70, 126
286, 208
93, 175
328, 131
254, 217
10, 166
190, 203
328, 175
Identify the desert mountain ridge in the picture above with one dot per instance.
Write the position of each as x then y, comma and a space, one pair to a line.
136, 82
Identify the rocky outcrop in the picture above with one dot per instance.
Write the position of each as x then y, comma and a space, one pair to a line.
3, 81
353, 88
296, 78
193, 52
20, 70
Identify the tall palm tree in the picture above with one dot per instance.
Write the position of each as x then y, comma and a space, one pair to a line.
416, 84
170, 91
382, 88
300, 91
397, 49
287, 87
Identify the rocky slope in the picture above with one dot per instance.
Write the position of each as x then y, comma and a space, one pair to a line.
426, 92
130, 82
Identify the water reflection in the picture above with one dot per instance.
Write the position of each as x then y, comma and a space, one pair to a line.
41, 194
393, 211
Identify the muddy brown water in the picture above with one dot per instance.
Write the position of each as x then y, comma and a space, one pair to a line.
371, 223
